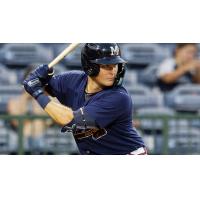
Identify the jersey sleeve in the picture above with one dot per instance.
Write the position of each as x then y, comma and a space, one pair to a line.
58, 85
54, 86
109, 108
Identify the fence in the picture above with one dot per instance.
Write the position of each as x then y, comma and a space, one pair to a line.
14, 141
178, 134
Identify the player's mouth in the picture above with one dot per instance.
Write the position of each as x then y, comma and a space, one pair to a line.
110, 79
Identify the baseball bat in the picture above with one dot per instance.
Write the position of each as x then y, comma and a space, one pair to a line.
63, 54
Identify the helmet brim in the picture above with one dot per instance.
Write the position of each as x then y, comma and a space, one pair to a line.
109, 60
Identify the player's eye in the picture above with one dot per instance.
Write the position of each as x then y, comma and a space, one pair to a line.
108, 66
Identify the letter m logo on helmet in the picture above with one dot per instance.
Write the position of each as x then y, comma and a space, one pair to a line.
114, 50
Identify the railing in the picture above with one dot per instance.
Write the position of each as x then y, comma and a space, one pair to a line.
178, 134
60, 143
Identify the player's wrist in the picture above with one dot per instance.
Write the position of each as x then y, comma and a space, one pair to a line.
43, 100
37, 93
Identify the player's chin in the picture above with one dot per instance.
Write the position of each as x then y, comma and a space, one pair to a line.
109, 83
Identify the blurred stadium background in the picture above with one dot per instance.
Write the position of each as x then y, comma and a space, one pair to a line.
169, 123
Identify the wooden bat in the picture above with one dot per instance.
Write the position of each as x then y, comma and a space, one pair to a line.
62, 55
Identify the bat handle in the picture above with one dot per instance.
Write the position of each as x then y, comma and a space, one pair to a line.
62, 55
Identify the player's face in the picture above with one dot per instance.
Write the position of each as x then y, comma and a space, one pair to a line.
107, 74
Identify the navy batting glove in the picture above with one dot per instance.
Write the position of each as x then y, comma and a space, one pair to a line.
33, 86
43, 73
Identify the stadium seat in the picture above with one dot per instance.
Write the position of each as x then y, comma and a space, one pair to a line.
152, 125
141, 55
24, 54
170, 46
143, 97
57, 47
8, 140
184, 141
148, 76
130, 78
59, 68
195, 122
1, 123
184, 98
60, 143
4, 140
7, 76
164, 111
73, 60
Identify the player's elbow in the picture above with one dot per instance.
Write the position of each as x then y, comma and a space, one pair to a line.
63, 122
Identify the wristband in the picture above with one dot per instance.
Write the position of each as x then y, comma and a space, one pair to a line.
37, 93
43, 100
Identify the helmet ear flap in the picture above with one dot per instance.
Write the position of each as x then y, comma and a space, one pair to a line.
92, 69
120, 75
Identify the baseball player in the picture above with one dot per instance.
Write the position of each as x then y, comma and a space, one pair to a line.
94, 105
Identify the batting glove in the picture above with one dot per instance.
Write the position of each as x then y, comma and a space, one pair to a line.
33, 85
43, 73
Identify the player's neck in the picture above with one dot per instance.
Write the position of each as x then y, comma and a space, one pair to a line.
92, 86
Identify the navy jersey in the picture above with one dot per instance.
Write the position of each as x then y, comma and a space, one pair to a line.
111, 109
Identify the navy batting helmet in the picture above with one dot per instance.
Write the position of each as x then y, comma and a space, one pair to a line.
94, 54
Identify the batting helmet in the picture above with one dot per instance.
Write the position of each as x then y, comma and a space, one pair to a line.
94, 54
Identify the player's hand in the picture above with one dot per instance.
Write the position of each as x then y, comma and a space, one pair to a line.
33, 85
43, 73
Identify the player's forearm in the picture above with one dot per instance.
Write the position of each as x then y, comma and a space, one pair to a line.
61, 114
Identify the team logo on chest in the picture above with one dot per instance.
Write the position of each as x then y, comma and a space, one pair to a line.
114, 51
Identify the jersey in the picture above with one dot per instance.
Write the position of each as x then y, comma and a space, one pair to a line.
110, 108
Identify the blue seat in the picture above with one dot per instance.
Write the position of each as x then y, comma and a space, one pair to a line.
154, 124
25, 54
8, 140
184, 98
148, 76
73, 60
130, 78
143, 97
184, 141
7, 76
143, 54
59, 143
